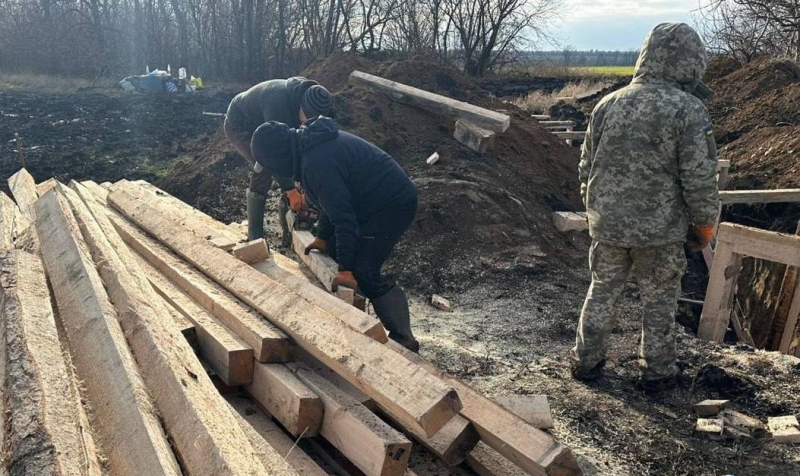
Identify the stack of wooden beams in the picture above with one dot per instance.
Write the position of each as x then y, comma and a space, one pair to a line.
140, 336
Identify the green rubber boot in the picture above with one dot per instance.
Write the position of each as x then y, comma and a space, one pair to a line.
256, 206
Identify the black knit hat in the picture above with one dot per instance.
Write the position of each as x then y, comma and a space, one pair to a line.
316, 102
272, 147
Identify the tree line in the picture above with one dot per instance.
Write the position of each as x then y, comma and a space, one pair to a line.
249, 40
747, 29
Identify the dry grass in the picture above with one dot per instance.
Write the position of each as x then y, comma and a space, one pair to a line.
50, 84
540, 101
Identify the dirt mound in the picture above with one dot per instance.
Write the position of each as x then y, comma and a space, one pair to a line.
721, 66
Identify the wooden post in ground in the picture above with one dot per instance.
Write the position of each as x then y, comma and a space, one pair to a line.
193, 412
128, 427
44, 434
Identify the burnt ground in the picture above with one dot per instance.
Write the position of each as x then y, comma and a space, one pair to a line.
483, 239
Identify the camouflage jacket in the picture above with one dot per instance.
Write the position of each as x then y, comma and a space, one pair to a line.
648, 165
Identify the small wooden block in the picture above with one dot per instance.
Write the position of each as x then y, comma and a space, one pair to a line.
710, 408
222, 243
712, 427
252, 252
784, 429
433, 158
535, 409
476, 138
346, 294
740, 422
570, 221
441, 303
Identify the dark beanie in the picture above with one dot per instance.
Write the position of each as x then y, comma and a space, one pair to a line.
271, 146
316, 102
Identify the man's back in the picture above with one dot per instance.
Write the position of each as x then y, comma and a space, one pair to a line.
649, 161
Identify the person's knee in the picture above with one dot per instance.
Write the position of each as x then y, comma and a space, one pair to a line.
370, 282
261, 183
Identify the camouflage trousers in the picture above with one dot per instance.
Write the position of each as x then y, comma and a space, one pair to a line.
658, 271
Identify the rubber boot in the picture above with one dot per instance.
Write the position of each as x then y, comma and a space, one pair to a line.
392, 310
283, 209
256, 206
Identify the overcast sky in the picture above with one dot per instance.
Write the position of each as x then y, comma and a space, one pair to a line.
617, 24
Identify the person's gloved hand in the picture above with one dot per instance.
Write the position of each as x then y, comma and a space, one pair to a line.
317, 244
346, 279
296, 200
699, 237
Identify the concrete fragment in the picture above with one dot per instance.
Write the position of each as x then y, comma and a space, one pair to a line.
784, 429
441, 303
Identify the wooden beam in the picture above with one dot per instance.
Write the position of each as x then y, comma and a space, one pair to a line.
487, 462
792, 318
452, 443
269, 344
322, 265
42, 408
540, 117
287, 399
229, 356
570, 221
534, 409
44, 187
475, 137
194, 414
529, 448
369, 443
570, 135
494, 121
252, 251
126, 420
398, 386
546, 124
100, 192
769, 245
12, 223
791, 195
275, 437
715, 317
23, 187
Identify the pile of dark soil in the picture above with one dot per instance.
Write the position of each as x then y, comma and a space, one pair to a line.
480, 216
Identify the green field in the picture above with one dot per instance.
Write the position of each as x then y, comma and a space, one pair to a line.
604, 70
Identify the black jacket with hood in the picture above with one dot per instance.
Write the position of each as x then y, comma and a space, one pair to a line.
350, 180
275, 100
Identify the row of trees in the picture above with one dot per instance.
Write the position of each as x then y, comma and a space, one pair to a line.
747, 29
247, 40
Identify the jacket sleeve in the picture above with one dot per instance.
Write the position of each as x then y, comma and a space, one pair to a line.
587, 157
697, 161
324, 227
336, 203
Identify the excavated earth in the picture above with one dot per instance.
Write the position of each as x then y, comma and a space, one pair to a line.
483, 238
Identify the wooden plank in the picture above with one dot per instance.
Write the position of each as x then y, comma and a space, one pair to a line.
792, 318
570, 221
369, 443
557, 123
769, 245
487, 462
534, 409
401, 388
529, 448
275, 437
193, 412
322, 265
126, 420
494, 121
252, 251
42, 409
784, 429
44, 187
172, 209
710, 408
229, 356
287, 399
570, 135
789, 195
23, 187
475, 137
100, 192
744, 423
715, 317
185, 326
12, 222
269, 344
540, 117
452, 443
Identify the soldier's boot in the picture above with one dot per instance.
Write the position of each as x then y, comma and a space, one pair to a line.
587, 374
657, 385
392, 310
283, 209
256, 206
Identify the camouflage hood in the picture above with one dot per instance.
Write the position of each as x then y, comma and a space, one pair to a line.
674, 52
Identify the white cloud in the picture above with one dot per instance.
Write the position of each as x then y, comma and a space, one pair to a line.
616, 9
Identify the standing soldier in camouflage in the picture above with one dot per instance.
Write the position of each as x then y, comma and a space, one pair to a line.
648, 181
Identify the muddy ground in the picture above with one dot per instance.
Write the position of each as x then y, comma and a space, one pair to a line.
483, 239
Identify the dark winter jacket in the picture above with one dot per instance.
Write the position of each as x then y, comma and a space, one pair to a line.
350, 180
274, 100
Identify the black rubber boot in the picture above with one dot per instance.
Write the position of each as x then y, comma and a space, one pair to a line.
392, 310
283, 209
256, 206
588, 375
